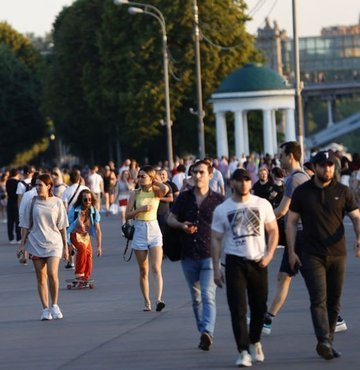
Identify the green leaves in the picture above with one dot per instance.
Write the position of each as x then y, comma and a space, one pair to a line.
21, 122
107, 74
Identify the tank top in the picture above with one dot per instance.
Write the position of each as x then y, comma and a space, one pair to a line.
144, 198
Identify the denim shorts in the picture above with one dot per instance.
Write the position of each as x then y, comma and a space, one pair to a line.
147, 235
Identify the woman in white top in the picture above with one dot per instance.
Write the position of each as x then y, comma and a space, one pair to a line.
43, 235
124, 186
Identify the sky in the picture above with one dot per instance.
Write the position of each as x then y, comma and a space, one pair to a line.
37, 16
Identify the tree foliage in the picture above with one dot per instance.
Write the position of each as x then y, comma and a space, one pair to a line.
21, 122
105, 79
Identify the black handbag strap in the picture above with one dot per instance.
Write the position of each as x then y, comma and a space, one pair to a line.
127, 259
73, 196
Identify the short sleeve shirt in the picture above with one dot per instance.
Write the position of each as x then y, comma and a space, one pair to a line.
243, 226
48, 218
196, 246
322, 216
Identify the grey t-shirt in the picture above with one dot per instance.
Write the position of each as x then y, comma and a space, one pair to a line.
48, 218
295, 179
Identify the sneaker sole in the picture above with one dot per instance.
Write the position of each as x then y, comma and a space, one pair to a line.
266, 331
324, 351
205, 342
340, 328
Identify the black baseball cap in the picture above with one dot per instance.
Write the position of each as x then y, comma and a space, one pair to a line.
240, 174
323, 157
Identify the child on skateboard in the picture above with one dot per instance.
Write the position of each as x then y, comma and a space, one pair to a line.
84, 220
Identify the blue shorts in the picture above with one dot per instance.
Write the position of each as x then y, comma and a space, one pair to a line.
147, 235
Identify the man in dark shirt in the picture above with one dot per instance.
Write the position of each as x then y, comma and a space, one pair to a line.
321, 203
192, 213
12, 207
264, 186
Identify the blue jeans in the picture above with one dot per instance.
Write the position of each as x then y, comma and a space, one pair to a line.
324, 278
199, 275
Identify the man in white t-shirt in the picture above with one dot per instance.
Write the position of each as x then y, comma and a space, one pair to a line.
96, 185
240, 224
25, 184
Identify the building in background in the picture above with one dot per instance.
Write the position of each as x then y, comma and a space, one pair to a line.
333, 56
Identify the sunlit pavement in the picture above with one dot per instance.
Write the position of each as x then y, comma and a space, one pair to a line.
105, 328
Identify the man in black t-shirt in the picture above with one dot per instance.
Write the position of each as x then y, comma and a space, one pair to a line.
321, 203
264, 186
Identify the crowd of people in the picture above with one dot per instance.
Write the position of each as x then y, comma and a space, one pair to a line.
242, 208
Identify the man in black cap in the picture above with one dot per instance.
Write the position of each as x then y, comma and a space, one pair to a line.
239, 224
322, 203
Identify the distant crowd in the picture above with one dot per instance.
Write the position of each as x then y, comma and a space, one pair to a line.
112, 184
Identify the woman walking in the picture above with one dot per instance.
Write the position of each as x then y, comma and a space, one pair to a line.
43, 235
147, 241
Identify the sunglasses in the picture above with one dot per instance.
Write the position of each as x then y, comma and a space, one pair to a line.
86, 200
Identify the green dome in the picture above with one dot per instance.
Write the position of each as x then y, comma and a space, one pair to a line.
252, 77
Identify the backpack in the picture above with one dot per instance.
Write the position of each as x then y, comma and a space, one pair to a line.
27, 185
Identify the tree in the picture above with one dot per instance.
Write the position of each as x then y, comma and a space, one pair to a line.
21, 121
106, 75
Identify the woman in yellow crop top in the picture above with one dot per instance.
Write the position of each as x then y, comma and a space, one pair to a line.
147, 241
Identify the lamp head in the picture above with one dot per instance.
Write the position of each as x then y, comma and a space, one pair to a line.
121, 2
134, 10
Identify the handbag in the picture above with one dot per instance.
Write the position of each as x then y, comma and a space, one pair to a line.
128, 230
172, 243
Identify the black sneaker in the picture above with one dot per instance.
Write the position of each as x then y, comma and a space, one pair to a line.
205, 341
325, 350
70, 266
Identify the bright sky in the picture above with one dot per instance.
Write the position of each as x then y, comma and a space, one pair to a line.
37, 16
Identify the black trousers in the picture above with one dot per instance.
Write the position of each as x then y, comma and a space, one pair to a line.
324, 279
246, 283
13, 222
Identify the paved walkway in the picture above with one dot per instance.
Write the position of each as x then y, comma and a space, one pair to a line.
105, 328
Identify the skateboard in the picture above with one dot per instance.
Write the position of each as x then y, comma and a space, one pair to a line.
80, 284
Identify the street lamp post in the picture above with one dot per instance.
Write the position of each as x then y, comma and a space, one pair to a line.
298, 87
200, 111
140, 8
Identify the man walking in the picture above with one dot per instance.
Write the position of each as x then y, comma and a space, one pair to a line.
290, 157
192, 213
240, 224
322, 254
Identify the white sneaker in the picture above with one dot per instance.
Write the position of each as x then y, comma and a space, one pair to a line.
340, 325
244, 359
256, 352
56, 313
267, 329
12, 242
46, 314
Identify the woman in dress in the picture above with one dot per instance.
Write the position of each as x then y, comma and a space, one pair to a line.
124, 186
110, 179
147, 241
43, 235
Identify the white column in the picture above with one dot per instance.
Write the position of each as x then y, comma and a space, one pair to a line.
274, 131
246, 133
330, 115
290, 134
221, 135
267, 132
239, 134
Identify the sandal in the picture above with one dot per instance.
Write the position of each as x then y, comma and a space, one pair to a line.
159, 306
147, 307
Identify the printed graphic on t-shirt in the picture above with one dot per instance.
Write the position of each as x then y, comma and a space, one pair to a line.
244, 222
